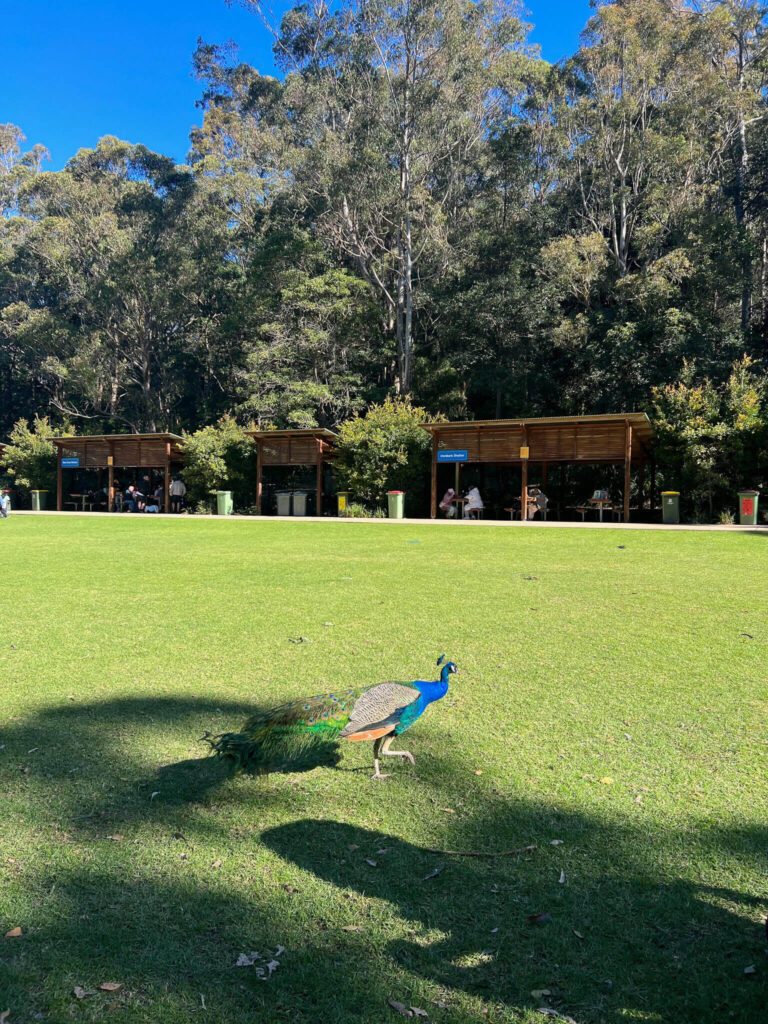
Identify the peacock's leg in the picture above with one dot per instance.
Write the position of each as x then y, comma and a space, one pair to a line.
377, 774
386, 752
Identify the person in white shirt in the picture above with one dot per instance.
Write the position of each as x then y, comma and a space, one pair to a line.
474, 503
177, 492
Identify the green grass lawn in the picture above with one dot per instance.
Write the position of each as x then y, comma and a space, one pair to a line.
609, 699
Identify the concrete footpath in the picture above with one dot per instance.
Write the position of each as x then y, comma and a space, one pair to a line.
469, 524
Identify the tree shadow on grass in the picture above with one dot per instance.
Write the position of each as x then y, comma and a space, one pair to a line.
632, 934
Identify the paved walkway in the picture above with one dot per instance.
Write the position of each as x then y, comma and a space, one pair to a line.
447, 523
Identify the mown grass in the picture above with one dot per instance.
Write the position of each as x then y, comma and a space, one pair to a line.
612, 694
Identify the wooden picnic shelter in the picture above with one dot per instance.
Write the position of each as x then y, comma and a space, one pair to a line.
621, 438
308, 447
117, 451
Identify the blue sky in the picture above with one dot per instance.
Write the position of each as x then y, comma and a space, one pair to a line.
74, 70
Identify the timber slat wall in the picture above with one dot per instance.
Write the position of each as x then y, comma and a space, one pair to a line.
569, 442
130, 450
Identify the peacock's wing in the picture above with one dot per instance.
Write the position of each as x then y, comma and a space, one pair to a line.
378, 710
289, 737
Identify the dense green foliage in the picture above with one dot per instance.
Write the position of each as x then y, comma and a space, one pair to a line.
220, 458
29, 458
419, 205
385, 450
609, 697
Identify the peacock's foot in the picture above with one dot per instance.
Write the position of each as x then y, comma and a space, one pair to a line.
400, 753
380, 775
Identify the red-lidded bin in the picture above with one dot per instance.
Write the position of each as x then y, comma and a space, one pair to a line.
396, 500
748, 507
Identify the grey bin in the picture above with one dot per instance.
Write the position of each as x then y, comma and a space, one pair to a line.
299, 503
283, 502
38, 500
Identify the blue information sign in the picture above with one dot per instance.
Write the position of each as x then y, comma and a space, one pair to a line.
455, 455
70, 463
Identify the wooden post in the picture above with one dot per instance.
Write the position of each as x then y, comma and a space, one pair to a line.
167, 485
641, 485
524, 489
627, 470
319, 482
433, 500
59, 493
111, 480
652, 488
259, 457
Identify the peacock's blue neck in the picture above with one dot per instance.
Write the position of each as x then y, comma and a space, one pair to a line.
435, 690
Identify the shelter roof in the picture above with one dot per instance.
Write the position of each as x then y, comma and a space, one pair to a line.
322, 432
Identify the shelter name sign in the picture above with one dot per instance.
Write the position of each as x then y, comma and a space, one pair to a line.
452, 455
70, 463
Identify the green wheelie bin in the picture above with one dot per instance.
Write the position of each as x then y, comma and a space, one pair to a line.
748, 507
395, 500
670, 506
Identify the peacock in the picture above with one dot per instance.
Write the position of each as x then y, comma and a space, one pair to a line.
296, 735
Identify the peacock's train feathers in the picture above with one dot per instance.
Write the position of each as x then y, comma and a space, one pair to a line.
303, 733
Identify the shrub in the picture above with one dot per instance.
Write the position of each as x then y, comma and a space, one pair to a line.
357, 511
712, 440
30, 458
220, 458
385, 450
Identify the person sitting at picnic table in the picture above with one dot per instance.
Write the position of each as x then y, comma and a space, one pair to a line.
131, 499
177, 492
537, 501
474, 503
447, 505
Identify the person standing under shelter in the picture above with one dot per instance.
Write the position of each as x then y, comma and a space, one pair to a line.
177, 492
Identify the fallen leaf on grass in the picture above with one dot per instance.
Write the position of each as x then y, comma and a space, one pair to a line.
538, 993
290, 888
81, 993
433, 874
418, 1012
116, 838
216, 864
385, 850
638, 799
606, 781
750, 970
351, 928
110, 986
577, 934
400, 1007
539, 918
14, 933
562, 877
437, 1002
4, 1016
153, 795
448, 810
299, 640
371, 862
478, 771
556, 842
353, 846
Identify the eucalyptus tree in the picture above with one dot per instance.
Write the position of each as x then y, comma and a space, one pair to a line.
377, 130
